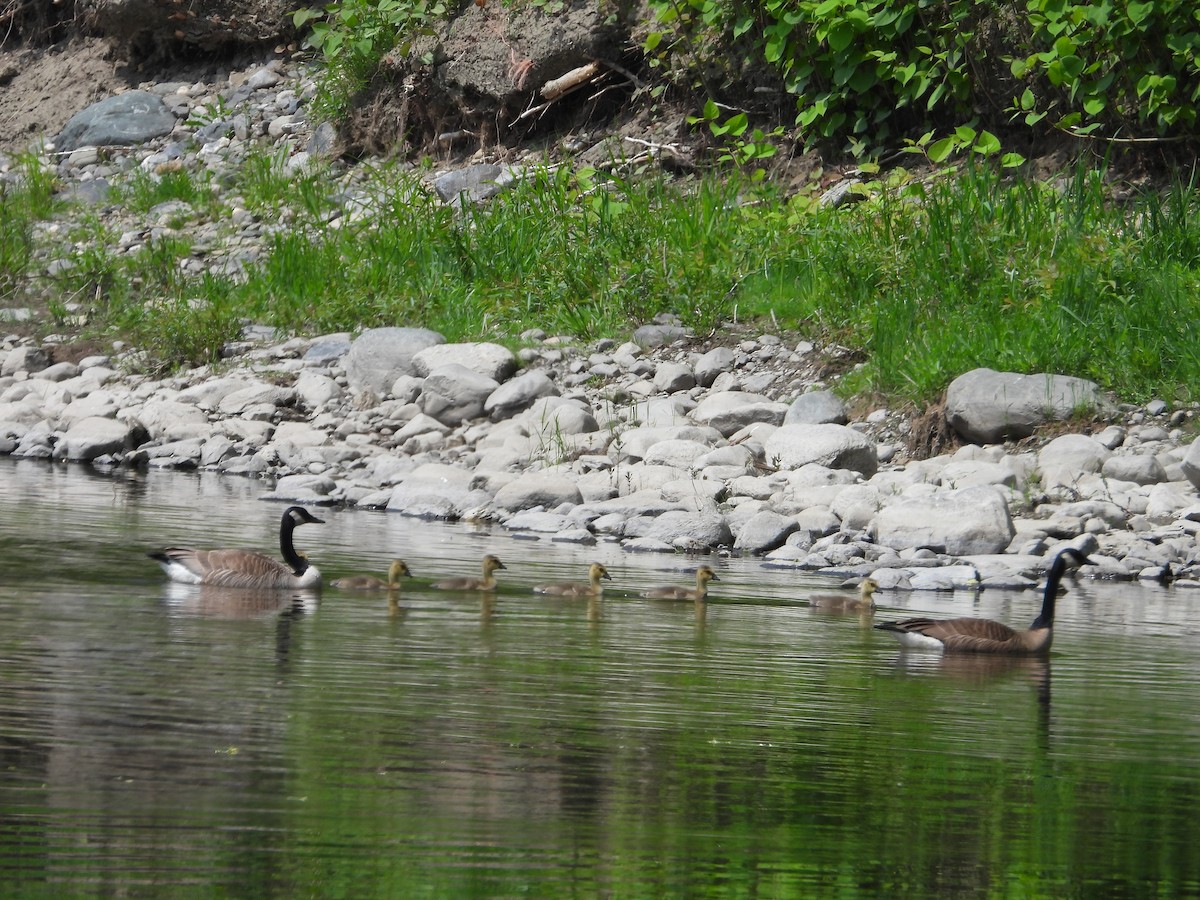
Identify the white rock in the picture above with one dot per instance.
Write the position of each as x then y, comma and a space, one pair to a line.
974, 520
832, 446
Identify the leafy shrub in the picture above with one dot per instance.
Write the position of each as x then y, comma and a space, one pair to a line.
866, 74
354, 35
1116, 68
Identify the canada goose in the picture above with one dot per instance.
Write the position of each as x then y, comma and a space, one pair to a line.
575, 589
245, 568
470, 583
969, 635
864, 601
397, 570
704, 575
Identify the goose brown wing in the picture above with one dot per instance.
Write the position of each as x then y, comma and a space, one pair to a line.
231, 568
971, 635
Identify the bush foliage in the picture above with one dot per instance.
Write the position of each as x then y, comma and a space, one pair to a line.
867, 73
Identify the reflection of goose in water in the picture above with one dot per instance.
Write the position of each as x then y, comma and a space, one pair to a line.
230, 568
704, 575
397, 570
470, 583
978, 670
969, 635
237, 603
593, 588
862, 602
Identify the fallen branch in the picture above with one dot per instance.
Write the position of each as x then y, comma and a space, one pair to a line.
556, 87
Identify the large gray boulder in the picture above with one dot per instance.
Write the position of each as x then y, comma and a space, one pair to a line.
728, 411
765, 531
381, 355
1191, 464
436, 491
130, 118
685, 530
474, 183
832, 446
1068, 457
453, 394
519, 394
635, 443
169, 420
552, 417
493, 360
713, 363
679, 454
961, 523
543, 489
93, 437
985, 406
24, 359
816, 408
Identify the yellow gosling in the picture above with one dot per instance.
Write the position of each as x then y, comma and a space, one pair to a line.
397, 570
469, 583
704, 575
593, 588
864, 601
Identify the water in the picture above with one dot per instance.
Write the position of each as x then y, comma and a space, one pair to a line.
162, 741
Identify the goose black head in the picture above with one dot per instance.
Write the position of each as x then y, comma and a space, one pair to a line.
301, 516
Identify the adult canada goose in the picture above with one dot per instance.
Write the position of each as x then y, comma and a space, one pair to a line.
397, 570
863, 601
470, 583
593, 588
704, 575
969, 635
245, 568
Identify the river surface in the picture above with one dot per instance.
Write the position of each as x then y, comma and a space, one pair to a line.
162, 741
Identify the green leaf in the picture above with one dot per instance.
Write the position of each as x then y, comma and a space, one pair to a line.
1064, 46
939, 151
1072, 65
1138, 12
840, 37
987, 144
1012, 160
1093, 106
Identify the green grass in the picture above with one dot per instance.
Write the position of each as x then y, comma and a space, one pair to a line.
927, 279
26, 197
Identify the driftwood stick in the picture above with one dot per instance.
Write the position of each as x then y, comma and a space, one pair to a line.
556, 87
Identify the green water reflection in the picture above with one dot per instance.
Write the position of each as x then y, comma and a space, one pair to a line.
152, 744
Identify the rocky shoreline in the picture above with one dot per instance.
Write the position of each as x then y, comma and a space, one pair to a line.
670, 442
662, 443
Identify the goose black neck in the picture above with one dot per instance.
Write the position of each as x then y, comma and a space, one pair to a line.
1057, 569
287, 548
